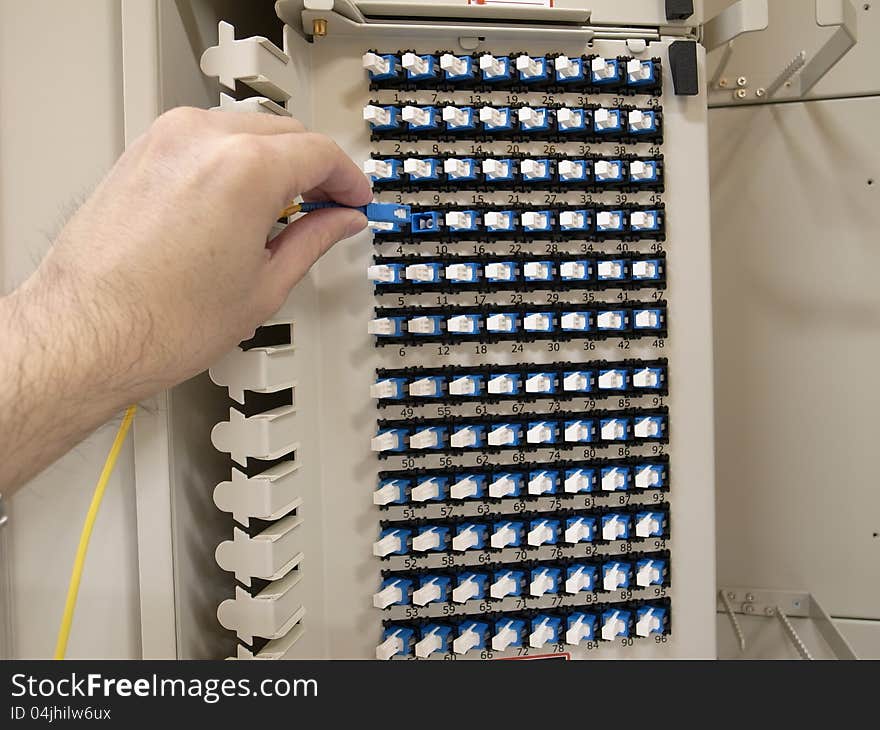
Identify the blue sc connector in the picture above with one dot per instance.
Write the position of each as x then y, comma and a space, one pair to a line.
429, 222
496, 119
431, 539
611, 270
394, 591
472, 636
532, 70
422, 169
432, 437
381, 274
541, 432
495, 69
508, 633
505, 434
389, 388
457, 68
580, 529
575, 270
569, 70
542, 481
543, 581
506, 534
427, 387
613, 379
650, 524
538, 322
647, 270
642, 121
650, 476
378, 214
615, 478
506, 583
615, 526
570, 120
604, 70
612, 320
469, 587
464, 324
545, 630
650, 572
432, 589
580, 578
650, 620
459, 118
580, 431
469, 536
424, 326
429, 273
580, 481
505, 484
460, 169
420, 118
394, 439
381, 67
608, 171
500, 221
614, 429
533, 119
607, 121
615, 575
433, 638
640, 73
430, 489
504, 383
615, 624
649, 427
503, 170
537, 221
643, 171
543, 532
647, 319
467, 385
418, 68
463, 273
462, 220
468, 486
541, 382
644, 220
396, 641
580, 627
392, 541
610, 221
383, 170
536, 170
575, 220
391, 491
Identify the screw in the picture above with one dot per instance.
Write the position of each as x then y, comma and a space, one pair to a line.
750, 597
723, 83
760, 92
742, 81
769, 611
731, 595
740, 94
748, 608
319, 27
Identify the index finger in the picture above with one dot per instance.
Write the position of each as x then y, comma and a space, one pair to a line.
311, 162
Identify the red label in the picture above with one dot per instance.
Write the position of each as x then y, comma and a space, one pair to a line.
534, 3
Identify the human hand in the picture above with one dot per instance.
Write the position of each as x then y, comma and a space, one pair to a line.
165, 268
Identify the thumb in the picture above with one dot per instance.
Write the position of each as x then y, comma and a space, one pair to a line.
308, 238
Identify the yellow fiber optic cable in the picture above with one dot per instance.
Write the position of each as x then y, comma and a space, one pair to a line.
85, 536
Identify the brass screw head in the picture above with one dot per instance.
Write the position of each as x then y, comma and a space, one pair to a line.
319, 27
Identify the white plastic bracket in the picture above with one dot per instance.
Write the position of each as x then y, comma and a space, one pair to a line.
254, 61
277, 648
261, 370
839, 13
270, 614
266, 496
744, 16
268, 435
270, 555
251, 105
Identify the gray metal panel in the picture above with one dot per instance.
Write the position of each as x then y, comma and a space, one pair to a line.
797, 316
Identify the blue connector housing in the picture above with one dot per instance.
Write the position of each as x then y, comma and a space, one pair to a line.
552, 525
476, 530
580, 481
478, 479
650, 476
613, 78
658, 517
616, 478
504, 73
587, 524
618, 571
429, 72
550, 624
587, 574
515, 576
392, 71
442, 484
423, 223
552, 575
517, 528
441, 581
398, 385
620, 524
647, 566
405, 635
403, 585
588, 428
404, 536
640, 78
438, 633
399, 486
583, 624
615, 624
479, 581
465, 74
400, 436
515, 478
650, 620
441, 532
548, 479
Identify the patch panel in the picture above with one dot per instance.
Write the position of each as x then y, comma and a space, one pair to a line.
481, 222
558, 528
550, 272
482, 172
523, 631
515, 122
521, 382
520, 72
528, 323
512, 481
520, 431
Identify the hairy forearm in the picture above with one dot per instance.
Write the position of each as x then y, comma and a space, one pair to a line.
66, 367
